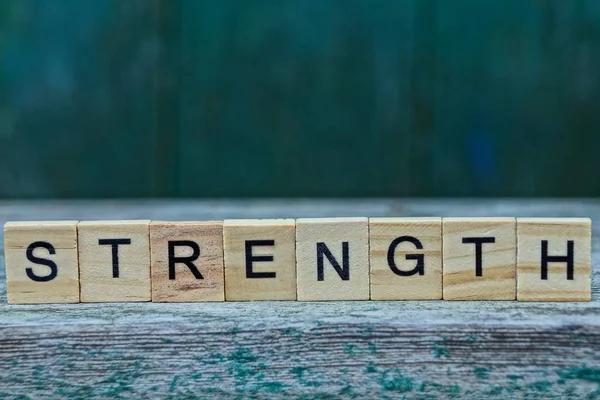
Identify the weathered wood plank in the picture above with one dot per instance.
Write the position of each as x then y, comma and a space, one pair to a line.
426, 349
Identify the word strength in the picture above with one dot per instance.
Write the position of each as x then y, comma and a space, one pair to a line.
316, 259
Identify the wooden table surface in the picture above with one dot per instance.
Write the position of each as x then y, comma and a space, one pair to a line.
429, 349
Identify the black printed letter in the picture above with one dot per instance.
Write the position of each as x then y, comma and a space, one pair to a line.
569, 259
419, 268
250, 259
115, 252
42, 261
343, 272
478, 253
184, 260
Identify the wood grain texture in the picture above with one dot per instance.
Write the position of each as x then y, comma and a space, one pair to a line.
497, 278
343, 241
185, 286
98, 280
556, 232
270, 350
62, 237
387, 285
281, 285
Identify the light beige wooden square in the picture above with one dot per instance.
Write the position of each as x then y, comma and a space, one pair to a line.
557, 232
208, 263
61, 238
239, 286
96, 262
332, 233
498, 280
389, 285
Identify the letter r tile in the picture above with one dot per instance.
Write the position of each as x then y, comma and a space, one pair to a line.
187, 261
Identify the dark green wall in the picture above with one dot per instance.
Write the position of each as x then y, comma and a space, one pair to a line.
211, 98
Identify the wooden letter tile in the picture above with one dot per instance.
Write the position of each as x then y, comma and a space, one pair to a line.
554, 259
332, 258
406, 258
260, 262
114, 261
479, 258
187, 261
41, 262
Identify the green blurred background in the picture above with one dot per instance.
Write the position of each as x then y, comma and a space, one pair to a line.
247, 98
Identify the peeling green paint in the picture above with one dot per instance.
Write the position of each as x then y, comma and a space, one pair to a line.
349, 348
244, 372
348, 391
569, 392
394, 380
212, 359
290, 331
540, 386
366, 330
38, 377
495, 391
594, 395
166, 340
121, 381
272, 387
298, 371
318, 396
173, 384
583, 373
243, 355
440, 350
370, 369
451, 390
481, 373
513, 388
372, 347
197, 375
294, 333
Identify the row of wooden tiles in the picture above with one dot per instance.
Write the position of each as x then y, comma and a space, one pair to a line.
316, 259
